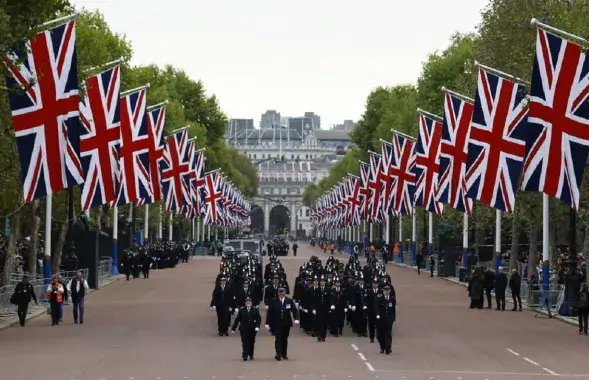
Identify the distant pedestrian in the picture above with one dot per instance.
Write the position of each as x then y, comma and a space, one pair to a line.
23, 292
78, 287
55, 291
583, 308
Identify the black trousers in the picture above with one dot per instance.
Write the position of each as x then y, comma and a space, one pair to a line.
500, 298
55, 313
476, 303
321, 321
359, 321
516, 298
223, 320
22, 312
489, 297
145, 270
371, 326
336, 322
248, 341
281, 340
583, 319
385, 335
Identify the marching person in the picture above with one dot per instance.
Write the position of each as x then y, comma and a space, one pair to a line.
249, 319
222, 303
385, 315
54, 294
295, 246
78, 287
279, 320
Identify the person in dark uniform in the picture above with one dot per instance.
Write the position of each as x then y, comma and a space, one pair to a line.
294, 248
500, 287
279, 320
432, 265
386, 315
249, 319
23, 292
338, 309
419, 257
145, 265
222, 303
320, 305
489, 284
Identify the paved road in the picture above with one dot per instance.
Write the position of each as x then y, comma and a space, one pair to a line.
162, 329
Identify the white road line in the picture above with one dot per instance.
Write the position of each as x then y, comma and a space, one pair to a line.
369, 366
361, 356
355, 347
533, 362
459, 372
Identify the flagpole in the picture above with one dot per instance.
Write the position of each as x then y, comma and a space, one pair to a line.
558, 31
105, 65
115, 244
47, 252
430, 237
545, 242
63, 20
146, 226
403, 134
456, 94
170, 226
152, 107
401, 252
465, 244
497, 240
134, 90
413, 238
430, 115
501, 74
160, 230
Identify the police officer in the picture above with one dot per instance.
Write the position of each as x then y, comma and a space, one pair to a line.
385, 315
222, 302
279, 320
249, 319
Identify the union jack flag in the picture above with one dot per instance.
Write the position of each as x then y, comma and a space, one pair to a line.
175, 169
558, 121
364, 191
375, 185
99, 145
213, 198
387, 151
427, 164
45, 116
354, 199
156, 119
401, 170
496, 144
453, 156
134, 149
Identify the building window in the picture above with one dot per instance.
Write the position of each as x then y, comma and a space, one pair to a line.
263, 156
254, 156
308, 213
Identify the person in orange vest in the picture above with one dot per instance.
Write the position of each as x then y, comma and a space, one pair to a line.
54, 294
396, 251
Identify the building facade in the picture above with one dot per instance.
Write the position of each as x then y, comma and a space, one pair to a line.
288, 159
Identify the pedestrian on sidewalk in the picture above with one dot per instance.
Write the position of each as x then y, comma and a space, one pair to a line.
583, 308
78, 287
23, 292
54, 294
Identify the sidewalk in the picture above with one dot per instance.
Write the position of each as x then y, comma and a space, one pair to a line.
568, 320
34, 311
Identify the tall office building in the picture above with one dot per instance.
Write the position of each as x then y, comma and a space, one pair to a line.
270, 118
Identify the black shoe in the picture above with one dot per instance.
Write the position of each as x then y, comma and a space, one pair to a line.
220, 334
251, 357
285, 357
81, 322
278, 358
371, 340
244, 358
388, 352
381, 351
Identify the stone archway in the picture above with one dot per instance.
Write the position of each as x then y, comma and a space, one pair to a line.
257, 219
279, 219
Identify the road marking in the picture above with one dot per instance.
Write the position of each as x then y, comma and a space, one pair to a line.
533, 362
369, 366
361, 356
535, 374
355, 347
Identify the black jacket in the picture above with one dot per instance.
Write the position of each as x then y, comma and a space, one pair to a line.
23, 294
386, 309
279, 314
247, 320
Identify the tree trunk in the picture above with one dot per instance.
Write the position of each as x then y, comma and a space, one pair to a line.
32, 259
533, 258
106, 216
515, 235
11, 249
56, 258
98, 218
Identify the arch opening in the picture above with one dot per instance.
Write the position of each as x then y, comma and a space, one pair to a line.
257, 219
279, 220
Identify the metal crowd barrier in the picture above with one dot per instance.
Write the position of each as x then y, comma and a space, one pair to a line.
104, 270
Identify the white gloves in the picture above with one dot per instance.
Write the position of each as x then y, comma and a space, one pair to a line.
345, 310
267, 327
232, 331
332, 307
314, 312
364, 307
266, 307
213, 308
235, 312
230, 310
296, 322
297, 304
353, 308
257, 329
378, 317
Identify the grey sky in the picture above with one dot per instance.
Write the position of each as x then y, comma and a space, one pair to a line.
293, 56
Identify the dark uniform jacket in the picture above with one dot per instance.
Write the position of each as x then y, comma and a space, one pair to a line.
248, 320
